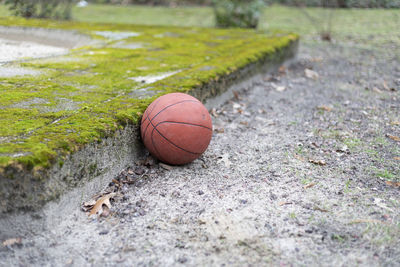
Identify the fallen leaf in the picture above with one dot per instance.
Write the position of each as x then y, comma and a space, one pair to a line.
282, 69
316, 59
396, 158
245, 123
236, 95
86, 206
394, 184
214, 112
380, 203
393, 137
12, 241
365, 221
309, 185
397, 123
116, 182
326, 108
320, 209
149, 161
166, 166
317, 162
311, 74
386, 86
285, 203
104, 200
299, 157
377, 90
219, 130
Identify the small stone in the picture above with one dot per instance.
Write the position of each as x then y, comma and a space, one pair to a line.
104, 232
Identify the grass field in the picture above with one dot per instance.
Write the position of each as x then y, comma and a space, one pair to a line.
362, 26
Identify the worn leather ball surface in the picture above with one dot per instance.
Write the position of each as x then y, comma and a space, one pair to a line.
176, 128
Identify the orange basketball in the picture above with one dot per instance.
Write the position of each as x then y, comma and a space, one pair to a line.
176, 128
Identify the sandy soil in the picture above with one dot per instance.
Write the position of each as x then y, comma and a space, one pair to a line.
296, 175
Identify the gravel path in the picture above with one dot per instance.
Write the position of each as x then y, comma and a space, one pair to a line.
296, 174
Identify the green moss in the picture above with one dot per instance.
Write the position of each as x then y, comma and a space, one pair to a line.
87, 95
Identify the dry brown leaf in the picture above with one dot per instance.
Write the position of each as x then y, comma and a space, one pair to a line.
386, 86
317, 59
396, 158
309, 185
396, 123
393, 137
320, 209
311, 74
282, 69
12, 241
394, 184
245, 123
326, 108
236, 95
214, 112
317, 162
285, 203
166, 166
299, 157
104, 200
86, 206
219, 130
377, 90
365, 221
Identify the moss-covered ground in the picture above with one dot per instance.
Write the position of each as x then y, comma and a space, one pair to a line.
87, 95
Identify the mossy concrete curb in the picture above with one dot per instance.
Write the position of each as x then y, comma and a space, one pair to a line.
99, 159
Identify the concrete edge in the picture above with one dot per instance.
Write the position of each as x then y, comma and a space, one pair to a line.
89, 170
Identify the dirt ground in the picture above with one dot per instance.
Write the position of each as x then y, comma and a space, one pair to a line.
301, 171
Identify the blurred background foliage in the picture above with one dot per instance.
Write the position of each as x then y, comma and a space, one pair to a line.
56, 9
310, 3
238, 13
370, 27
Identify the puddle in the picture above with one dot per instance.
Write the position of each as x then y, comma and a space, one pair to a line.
153, 78
7, 72
207, 68
15, 155
18, 43
63, 104
126, 45
143, 93
167, 34
116, 35
14, 50
49, 37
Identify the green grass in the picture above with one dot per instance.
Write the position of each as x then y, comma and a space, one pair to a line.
360, 26
145, 15
373, 26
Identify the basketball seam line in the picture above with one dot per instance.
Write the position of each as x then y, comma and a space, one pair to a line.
186, 123
144, 133
147, 117
195, 153
155, 148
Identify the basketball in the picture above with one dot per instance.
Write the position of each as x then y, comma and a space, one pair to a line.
176, 128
